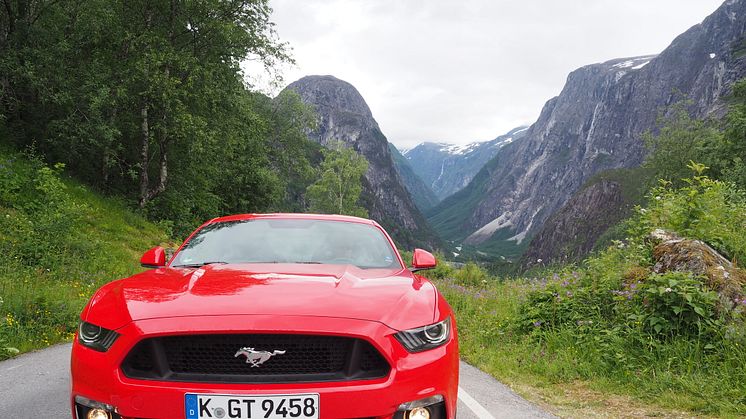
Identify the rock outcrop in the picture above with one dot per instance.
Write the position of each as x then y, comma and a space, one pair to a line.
676, 254
571, 233
596, 124
344, 116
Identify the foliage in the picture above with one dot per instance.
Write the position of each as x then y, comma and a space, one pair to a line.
339, 184
706, 209
614, 323
58, 243
719, 145
677, 304
680, 140
147, 100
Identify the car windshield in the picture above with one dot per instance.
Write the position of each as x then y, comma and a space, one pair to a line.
289, 241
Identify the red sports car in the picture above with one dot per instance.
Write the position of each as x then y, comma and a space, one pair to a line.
270, 316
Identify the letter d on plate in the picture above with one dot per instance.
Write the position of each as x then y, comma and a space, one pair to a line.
190, 406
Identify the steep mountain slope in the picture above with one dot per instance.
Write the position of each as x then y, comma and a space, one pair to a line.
572, 232
343, 115
422, 195
448, 168
596, 124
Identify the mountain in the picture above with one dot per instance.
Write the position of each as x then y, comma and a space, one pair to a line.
596, 124
448, 168
422, 195
584, 221
343, 115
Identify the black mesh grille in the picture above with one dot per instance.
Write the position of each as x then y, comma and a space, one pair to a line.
216, 358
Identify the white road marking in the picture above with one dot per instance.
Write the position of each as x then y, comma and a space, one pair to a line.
473, 405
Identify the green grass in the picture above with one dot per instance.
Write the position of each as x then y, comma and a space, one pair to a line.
59, 243
675, 378
611, 337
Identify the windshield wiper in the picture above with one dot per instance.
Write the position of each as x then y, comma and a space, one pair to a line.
199, 265
307, 262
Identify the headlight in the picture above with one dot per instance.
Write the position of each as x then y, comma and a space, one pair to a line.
96, 337
427, 337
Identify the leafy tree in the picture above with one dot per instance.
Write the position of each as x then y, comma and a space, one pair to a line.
338, 187
681, 139
146, 99
731, 164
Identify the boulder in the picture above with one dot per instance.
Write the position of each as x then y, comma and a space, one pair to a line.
677, 254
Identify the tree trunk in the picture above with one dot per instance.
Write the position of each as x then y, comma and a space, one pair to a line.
144, 160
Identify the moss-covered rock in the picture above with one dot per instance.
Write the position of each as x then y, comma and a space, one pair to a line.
684, 255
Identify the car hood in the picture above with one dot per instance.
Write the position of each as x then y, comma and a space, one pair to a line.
395, 298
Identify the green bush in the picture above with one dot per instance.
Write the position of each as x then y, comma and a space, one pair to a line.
58, 243
710, 210
676, 304
470, 274
615, 318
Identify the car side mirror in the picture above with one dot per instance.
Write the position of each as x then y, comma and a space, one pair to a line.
422, 259
154, 258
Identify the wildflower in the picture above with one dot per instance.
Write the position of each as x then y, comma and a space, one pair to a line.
668, 289
538, 323
538, 261
568, 293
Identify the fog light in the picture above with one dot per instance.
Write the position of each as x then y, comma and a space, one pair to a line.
419, 413
101, 414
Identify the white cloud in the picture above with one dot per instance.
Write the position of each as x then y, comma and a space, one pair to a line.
468, 70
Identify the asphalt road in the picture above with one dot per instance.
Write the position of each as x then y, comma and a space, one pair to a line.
36, 385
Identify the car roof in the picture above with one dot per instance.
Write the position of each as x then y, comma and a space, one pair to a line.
294, 216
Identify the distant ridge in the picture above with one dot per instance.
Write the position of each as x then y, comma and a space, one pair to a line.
595, 124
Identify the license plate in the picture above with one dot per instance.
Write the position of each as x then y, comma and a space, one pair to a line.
276, 406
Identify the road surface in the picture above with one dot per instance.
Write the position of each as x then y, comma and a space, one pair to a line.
36, 385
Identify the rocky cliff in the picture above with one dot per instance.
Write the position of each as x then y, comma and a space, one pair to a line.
344, 116
585, 221
448, 168
596, 124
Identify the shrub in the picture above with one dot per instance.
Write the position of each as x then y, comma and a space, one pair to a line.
471, 274
706, 209
677, 303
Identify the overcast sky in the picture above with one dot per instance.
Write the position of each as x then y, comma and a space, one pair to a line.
464, 71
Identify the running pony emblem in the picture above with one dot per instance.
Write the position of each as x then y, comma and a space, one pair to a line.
256, 358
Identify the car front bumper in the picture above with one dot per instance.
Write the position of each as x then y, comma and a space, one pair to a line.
98, 377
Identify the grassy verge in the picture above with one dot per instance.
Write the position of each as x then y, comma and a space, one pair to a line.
612, 337
58, 243
556, 372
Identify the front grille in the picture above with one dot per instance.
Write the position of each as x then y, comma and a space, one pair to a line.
212, 358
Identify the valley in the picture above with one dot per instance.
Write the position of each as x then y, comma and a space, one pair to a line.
592, 254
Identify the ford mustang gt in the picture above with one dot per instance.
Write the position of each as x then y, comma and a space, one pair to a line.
272, 316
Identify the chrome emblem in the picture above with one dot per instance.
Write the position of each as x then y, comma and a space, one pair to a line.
256, 358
